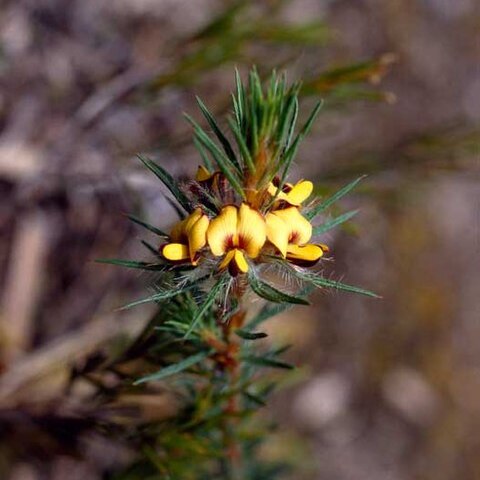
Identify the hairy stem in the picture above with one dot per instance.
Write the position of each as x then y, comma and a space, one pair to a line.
231, 369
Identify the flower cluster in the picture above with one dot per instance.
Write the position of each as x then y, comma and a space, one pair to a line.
240, 222
239, 234
240, 217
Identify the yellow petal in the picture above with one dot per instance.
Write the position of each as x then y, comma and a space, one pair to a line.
180, 230
197, 235
300, 192
235, 261
238, 264
300, 229
191, 220
306, 255
252, 230
278, 232
272, 190
175, 252
202, 174
227, 259
324, 247
222, 231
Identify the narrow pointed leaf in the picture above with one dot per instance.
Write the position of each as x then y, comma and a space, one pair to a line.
331, 200
223, 162
242, 146
146, 225
246, 335
175, 368
266, 291
267, 362
271, 310
212, 295
290, 121
218, 132
240, 111
255, 399
326, 283
174, 205
168, 181
206, 160
292, 150
237, 111
131, 264
163, 295
150, 248
268, 311
334, 222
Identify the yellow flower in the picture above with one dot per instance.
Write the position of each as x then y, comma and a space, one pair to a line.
234, 233
292, 194
187, 238
290, 232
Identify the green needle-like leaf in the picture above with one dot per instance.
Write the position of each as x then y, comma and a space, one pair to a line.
131, 264
287, 159
168, 181
223, 162
150, 248
247, 157
268, 311
331, 200
240, 100
288, 122
212, 295
146, 225
246, 335
206, 160
326, 283
174, 368
334, 222
163, 295
267, 362
255, 399
218, 132
266, 291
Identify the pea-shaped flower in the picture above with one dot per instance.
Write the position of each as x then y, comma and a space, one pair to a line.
235, 233
187, 238
290, 232
292, 194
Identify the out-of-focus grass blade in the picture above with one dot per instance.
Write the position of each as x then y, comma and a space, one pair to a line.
313, 33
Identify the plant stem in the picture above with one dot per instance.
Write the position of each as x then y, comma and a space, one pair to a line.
231, 369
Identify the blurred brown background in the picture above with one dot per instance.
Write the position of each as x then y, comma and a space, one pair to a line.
392, 386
